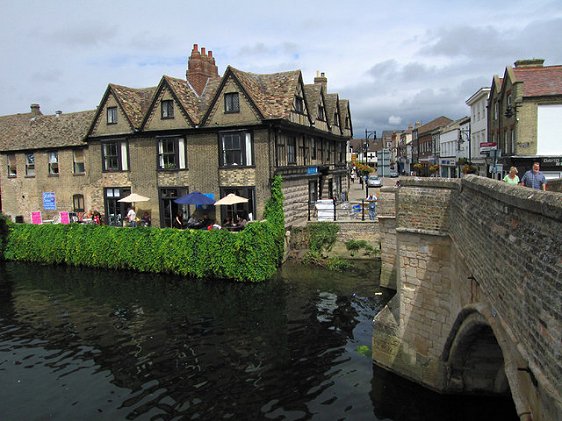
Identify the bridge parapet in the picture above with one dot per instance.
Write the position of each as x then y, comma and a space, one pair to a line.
478, 267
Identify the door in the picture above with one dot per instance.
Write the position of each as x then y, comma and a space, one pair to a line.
114, 210
169, 208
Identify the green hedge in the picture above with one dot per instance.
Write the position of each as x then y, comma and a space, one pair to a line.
252, 254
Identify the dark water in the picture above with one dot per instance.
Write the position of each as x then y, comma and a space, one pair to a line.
83, 344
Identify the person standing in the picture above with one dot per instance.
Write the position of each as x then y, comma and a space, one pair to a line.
534, 178
132, 217
178, 220
512, 179
372, 200
352, 176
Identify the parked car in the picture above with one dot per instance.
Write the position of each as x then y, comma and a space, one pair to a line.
393, 174
374, 181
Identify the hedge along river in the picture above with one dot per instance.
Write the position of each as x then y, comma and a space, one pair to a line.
87, 344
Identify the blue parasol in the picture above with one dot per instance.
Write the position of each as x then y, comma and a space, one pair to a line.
195, 198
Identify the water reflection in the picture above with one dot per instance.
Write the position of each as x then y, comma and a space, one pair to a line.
79, 343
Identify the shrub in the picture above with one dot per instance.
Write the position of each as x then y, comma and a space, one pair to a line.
252, 254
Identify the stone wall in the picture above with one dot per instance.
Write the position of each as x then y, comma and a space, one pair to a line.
476, 246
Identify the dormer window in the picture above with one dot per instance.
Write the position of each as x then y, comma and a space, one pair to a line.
321, 115
167, 110
111, 115
231, 102
299, 105
336, 119
347, 122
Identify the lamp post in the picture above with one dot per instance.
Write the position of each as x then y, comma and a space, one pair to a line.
466, 132
368, 133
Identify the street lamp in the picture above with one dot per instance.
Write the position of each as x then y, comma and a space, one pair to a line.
368, 133
465, 132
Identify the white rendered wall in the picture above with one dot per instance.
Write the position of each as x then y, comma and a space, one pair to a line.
549, 130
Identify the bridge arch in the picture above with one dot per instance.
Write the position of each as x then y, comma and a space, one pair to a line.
480, 358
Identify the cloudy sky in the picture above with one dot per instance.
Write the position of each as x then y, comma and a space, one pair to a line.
396, 61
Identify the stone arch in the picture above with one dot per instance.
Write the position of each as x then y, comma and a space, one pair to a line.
479, 357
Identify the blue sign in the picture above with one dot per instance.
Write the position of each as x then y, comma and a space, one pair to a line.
49, 201
312, 170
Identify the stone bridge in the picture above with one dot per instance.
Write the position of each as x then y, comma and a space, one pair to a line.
477, 268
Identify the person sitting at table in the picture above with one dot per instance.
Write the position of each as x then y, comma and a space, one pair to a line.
227, 222
178, 220
241, 221
96, 217
146, 219
194, 221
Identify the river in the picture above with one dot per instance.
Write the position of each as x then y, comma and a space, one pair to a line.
94, 345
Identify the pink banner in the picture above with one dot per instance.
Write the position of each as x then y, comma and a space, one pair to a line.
64, 218
36, 218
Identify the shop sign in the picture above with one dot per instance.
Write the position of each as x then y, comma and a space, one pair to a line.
488, 146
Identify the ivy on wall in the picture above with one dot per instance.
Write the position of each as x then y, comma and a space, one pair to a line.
252, 254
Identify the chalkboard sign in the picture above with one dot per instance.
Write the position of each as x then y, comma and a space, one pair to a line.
49, 201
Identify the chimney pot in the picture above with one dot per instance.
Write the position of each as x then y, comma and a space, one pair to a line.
203, 51
35, 109
58, 113
210, 54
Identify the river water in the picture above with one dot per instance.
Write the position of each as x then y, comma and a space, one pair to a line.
95, 345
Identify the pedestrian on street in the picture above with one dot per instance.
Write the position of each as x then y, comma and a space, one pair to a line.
372, 200
353, 177
512, 179
534, 178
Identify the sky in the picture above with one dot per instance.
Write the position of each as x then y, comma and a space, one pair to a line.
397, 62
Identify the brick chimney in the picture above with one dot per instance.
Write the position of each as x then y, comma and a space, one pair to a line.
321, 79
35, 110
200, 68
534, 62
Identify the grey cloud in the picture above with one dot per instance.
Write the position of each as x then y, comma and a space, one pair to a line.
84, 35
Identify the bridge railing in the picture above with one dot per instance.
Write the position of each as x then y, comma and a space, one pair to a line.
330, 210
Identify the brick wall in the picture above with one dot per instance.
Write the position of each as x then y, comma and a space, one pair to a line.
487, 246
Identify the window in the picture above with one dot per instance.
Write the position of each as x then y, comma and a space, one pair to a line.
347, 125
496, 109
299, 105
305, 151
231, 103
321, 115
78, 160
111, 115
30, 165
245, 210
509, 100
78, 202
292, 150
12, 167
313, 149
336, 119
171, 153
167, 110
236, 149
53, 163
114, 156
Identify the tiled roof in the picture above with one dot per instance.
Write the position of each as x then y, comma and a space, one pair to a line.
312, 93
273, 94
331, 107
187, 97
540, 81
27, 132
434, 124
135, 102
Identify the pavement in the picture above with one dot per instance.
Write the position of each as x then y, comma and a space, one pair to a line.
358, 192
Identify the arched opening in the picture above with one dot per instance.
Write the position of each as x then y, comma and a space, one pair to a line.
476, 363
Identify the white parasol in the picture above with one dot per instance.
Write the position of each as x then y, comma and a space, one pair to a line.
231, 199
133, 197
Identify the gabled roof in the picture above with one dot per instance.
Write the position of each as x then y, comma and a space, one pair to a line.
184, 95
313, 95
29, 132
134, 102
539, 80
332, 105
345, 113
434, 124
273, 94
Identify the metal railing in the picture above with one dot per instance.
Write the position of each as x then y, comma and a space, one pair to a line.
329, 210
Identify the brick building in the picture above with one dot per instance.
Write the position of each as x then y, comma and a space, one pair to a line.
525, 117
209, 133
425, 142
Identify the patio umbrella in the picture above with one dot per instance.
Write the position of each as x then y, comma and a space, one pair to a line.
133, 197
194, 198
231, 199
